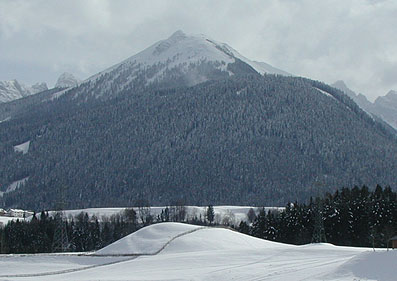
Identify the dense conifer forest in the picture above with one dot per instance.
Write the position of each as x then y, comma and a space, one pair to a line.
350, 217
244, 140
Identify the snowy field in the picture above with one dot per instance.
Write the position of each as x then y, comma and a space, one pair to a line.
174, 251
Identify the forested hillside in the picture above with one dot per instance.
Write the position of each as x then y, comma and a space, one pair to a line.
241, 140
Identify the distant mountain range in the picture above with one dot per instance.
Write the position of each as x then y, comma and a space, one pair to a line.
189, 120
385, 106
13, 90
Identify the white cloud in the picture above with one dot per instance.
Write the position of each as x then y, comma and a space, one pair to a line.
353, 40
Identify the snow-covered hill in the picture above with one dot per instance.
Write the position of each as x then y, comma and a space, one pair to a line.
184, 252
12, 90
183, 59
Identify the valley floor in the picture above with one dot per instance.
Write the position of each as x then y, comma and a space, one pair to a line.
173, 251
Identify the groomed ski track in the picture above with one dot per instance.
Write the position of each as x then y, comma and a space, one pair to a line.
131, 257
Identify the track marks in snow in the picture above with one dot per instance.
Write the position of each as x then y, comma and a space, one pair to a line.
72, 270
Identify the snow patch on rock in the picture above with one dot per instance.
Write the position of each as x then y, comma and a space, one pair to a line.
23, 147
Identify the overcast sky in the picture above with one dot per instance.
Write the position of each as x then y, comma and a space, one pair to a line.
355, 41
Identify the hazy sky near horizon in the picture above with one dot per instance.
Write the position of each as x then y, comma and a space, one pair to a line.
329, 40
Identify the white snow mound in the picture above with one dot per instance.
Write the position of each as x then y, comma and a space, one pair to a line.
148, 240
184, 238
219, 239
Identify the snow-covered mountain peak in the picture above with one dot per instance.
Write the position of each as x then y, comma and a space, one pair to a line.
177, 36
67, 80
39, 87
179, 60
12, 90
388, 101
181, 50
392, 94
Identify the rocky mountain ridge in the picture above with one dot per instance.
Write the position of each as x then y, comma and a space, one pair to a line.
12, 90
384, 107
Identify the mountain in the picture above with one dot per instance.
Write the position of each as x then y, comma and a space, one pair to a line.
360, 99
384, 107
32, 96
180, 60
12, 90
190, 120
67, 80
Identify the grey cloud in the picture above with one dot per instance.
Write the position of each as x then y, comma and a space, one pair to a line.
326, 40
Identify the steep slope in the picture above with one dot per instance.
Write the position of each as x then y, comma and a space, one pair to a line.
386, 107
24, 98
12, 90
360, 99
14, 108
242, 140
146, 129
180, 60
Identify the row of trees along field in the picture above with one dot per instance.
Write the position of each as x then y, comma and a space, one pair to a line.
349, 217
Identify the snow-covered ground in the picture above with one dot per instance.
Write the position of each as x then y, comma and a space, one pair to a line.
183, 252
4, 220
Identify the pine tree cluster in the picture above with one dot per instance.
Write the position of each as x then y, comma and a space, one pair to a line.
84, 233
230, 141
351, 217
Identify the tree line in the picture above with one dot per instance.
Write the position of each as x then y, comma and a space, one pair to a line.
242, 141
350, 217
86, 233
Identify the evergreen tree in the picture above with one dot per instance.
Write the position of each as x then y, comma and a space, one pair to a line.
210, 214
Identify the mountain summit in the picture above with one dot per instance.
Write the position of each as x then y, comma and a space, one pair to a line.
180, 60
185, 51
67, 80
190, 120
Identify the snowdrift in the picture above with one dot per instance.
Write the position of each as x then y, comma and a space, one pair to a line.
380, 265
147, 241
183, 238
176, 251
219, 239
